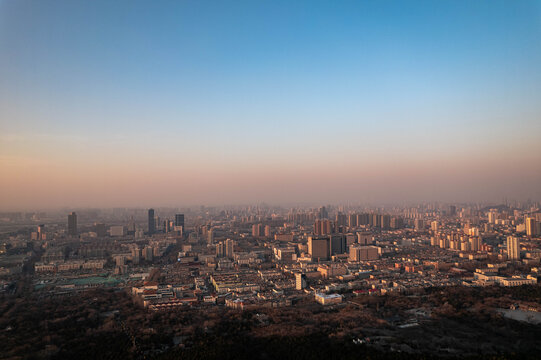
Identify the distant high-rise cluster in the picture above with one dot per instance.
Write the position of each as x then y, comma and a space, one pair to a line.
258, 230
323, 227
322, 213
225, 249
457, 241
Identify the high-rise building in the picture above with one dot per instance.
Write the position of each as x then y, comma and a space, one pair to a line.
475, 243
300, 281
258, 230
210, 236
319, 247
135, 254
352, 220
419, 224
322, 213
376, 220
229, 248
386, 222
363, 219
513, 248
72, 224
179, 220
41, 232
492, 215
151, 222
323, 227
531, 226
220, 249
169, 225
341, 219
350, 239
148, 253
338, 244
397, 222
225, 249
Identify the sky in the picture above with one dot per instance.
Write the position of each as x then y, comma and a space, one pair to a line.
169, 103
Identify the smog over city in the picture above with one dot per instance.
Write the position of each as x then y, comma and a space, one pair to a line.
270, 179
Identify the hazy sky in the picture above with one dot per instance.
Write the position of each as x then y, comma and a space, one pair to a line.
151, 103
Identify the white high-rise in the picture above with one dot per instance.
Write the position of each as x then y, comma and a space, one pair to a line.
513, 248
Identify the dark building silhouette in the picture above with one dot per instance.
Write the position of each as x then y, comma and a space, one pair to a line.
338, 244
179, 220
151, 222
72, 224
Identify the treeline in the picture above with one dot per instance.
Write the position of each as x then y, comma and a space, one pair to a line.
314, 346
106, 324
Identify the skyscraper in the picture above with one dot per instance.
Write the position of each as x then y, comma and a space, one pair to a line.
72, 224
151, 222
179, 220
513, 248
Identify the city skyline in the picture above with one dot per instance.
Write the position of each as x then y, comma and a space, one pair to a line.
270, 179
136, 104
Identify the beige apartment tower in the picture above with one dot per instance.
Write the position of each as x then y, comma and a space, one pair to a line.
513, 248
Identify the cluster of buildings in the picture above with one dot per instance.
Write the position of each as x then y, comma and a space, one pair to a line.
71, 265
244, 257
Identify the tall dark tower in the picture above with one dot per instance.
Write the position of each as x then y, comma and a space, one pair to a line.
72, 224
151, 222
179, 220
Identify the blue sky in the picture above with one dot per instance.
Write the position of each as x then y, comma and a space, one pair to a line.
259, 85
